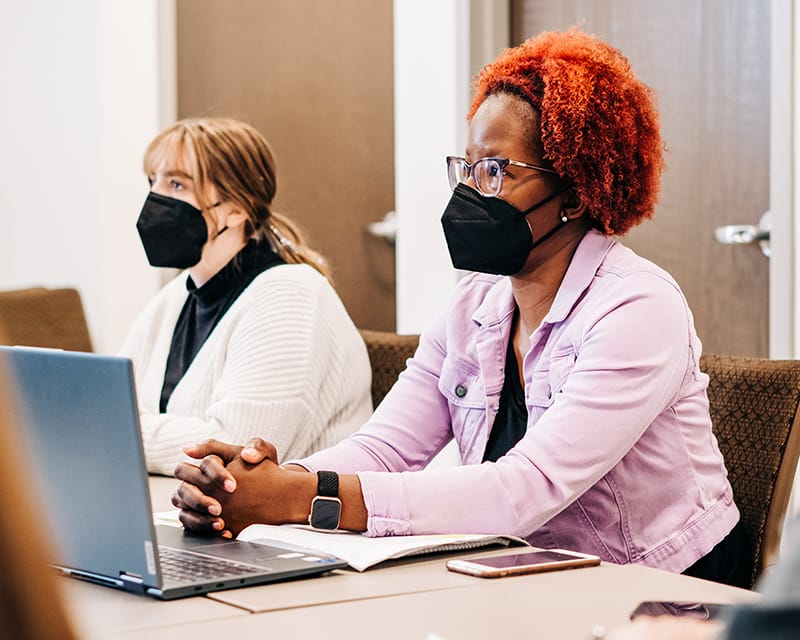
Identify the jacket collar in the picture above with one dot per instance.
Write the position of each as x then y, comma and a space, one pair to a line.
498, 304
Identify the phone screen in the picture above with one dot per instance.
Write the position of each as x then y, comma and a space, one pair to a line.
523, 559
520, 563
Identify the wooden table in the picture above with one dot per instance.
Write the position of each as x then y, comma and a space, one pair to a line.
406, 600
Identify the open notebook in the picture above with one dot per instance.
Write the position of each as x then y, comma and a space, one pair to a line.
81, 422
359, 551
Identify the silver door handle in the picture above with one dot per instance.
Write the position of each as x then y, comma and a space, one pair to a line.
386, 228
740, 234
747, 234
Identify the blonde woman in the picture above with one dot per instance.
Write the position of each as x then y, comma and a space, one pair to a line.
252, 339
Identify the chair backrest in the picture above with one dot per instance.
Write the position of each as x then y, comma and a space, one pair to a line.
40, 317
388, 353
754, 411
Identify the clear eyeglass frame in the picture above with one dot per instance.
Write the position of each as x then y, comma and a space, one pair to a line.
486, 172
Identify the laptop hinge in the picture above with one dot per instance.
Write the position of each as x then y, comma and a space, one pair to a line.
131, 578
132, 582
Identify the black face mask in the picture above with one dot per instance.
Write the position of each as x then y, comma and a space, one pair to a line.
173, 232
490, 235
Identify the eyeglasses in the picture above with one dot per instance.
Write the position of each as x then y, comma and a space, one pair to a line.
487, 172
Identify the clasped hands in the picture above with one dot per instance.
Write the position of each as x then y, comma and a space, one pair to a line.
232, 487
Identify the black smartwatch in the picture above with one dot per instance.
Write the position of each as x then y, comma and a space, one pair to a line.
326, 508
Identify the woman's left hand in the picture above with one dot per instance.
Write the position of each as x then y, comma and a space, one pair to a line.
235, 486
266, 493
204, 483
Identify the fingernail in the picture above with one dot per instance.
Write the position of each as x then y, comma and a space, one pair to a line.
216, 525
229, 486
214, 509
249, 451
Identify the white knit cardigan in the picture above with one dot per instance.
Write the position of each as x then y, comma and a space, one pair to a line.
285, 363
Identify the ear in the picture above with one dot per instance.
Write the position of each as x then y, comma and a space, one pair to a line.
574, 207
232, 217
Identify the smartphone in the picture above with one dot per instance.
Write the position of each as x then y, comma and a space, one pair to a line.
700, 610
520, 563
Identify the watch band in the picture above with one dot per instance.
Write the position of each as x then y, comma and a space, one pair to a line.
328, 484
326, 507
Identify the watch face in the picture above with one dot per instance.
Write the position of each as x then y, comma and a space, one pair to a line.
325, 513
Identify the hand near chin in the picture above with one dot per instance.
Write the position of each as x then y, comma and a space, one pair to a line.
210, 483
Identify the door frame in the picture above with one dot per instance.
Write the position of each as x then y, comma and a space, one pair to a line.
784, 330
438, 48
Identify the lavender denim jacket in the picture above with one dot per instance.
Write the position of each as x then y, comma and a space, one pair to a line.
619, 458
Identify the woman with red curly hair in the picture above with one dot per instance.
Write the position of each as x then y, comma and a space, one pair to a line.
565, 366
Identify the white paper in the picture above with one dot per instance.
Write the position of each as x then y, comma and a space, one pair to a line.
362, 552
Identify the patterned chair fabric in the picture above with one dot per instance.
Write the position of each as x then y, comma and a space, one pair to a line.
40, 317
388, 353
754, 410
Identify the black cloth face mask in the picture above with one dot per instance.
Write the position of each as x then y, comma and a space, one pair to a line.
173, 232
490, 235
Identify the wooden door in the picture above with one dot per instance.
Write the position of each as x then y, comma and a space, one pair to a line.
315, 77
709, 63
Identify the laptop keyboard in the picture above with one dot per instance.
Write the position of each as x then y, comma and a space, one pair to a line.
184, 566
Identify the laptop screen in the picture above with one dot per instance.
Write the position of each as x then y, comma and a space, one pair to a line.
86, 458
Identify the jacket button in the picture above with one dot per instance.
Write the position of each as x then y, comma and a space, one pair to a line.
461, 391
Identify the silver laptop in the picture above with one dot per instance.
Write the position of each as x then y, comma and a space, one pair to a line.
81, 423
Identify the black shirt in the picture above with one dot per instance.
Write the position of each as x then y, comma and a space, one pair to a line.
205, 306
511, 421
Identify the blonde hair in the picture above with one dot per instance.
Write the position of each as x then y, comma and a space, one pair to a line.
237, 160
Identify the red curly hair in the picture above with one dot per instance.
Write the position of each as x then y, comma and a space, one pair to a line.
599, 123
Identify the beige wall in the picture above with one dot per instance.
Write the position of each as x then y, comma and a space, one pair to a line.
316, 79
